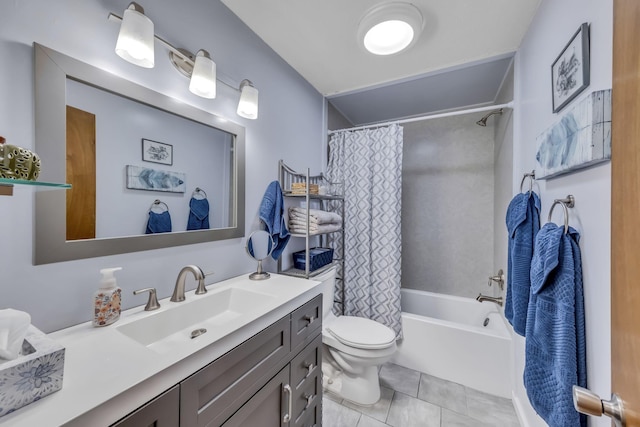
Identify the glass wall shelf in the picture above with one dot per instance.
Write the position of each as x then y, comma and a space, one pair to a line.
6, 185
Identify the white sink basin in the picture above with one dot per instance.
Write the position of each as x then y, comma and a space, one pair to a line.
216, 312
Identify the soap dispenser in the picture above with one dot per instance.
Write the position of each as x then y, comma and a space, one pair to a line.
106, 304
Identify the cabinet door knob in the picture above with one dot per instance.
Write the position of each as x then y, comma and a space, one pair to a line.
309, 319
287, 417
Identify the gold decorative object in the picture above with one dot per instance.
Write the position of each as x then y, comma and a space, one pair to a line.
17, 162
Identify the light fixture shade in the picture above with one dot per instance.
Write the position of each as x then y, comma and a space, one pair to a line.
390, 28
136, 38
248, 104
203, 76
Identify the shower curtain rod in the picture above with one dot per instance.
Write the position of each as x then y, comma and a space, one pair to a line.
429, 117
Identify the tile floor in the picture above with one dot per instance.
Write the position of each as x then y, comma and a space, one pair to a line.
413, 399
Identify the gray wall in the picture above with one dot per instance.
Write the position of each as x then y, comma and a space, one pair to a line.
447, 205
290, 127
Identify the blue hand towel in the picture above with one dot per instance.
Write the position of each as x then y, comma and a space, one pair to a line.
555, 349
523, 223
271, 213
198, 214
158, 223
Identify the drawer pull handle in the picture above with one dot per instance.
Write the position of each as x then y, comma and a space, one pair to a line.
309, 319
287, 417
310, 369
309, 398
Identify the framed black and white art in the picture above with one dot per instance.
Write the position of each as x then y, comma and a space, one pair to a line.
157, 152
570, 70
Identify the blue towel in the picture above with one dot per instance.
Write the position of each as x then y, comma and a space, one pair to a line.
198, 214
158, 223
271, 213
523, 223
555, 349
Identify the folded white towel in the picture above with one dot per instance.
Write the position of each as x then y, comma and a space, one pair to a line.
315, 215
13, 328
319, 229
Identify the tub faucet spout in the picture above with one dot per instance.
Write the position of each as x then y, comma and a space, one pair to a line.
483, 298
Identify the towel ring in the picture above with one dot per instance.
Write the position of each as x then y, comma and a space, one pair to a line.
532, 176
199, 190
566, 203
159, 203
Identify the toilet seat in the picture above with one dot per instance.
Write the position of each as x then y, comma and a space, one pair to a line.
361, 333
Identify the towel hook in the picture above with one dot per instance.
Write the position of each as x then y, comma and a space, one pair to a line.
532, 176
566, 203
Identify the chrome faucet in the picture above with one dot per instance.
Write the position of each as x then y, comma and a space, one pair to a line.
178, 291
483, 298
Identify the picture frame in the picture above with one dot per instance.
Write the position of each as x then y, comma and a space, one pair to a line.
157, 152
570, 72
144, 178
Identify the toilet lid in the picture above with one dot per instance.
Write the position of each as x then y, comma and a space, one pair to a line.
359, 332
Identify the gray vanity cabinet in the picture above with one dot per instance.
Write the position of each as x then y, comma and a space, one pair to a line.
214, 393
271, 380
163, 411
257, 384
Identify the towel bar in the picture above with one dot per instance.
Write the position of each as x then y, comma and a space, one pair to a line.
566, 203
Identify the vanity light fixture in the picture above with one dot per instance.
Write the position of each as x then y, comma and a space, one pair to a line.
390, 28
203, 76
199, 68
135, 39
248, 104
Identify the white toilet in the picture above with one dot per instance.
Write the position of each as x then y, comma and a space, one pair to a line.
354, 348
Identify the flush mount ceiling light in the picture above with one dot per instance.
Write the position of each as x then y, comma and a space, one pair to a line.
390, 28
135, 45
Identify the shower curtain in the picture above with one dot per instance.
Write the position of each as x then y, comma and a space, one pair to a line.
369, 164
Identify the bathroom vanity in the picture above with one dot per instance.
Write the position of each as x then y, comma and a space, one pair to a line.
258, 364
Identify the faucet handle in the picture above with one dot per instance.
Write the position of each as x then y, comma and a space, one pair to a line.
200, 290
498, 278
152, 302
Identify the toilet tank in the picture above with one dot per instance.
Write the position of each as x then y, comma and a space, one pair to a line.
328, 279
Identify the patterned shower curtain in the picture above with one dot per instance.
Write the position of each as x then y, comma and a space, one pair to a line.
369, 163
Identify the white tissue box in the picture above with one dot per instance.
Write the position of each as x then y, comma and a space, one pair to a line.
35, 373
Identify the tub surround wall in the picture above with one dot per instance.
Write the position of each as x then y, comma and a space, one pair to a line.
447, 205
550, 30
292, 127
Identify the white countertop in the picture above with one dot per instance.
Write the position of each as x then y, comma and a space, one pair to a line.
108, 375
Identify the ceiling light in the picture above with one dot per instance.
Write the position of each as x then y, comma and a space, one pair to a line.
203, 76
135, 39
248, 104
390, 28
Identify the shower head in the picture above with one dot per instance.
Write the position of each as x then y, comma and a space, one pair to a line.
483, 121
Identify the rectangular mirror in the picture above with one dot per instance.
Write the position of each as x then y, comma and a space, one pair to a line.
128, 151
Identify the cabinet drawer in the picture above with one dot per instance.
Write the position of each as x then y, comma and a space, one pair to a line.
306, 399
307, 363
305, 321
214, 393
163, 411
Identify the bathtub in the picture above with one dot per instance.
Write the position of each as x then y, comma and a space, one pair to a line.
444, 336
